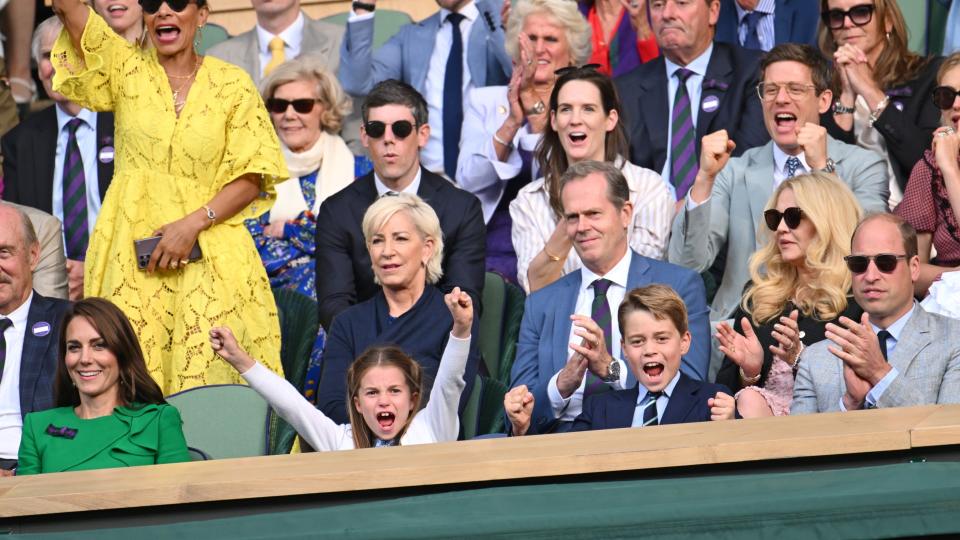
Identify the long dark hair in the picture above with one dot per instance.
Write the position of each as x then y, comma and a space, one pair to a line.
552, 159
136, 384
381, 356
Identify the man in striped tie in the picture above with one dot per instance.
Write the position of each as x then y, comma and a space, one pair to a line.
653, 323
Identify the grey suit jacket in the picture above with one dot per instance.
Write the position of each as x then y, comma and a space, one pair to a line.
50, 276
731, 216
927, 358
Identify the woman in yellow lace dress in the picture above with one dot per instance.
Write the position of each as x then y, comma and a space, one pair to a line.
195, 152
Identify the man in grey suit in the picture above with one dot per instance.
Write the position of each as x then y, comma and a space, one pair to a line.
898, 355
724, 206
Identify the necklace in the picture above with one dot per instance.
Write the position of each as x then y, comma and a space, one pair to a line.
179, 102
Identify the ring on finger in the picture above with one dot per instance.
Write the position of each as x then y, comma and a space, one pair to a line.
184, 262
174, 264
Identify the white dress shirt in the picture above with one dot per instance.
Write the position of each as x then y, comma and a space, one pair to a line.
662, 401
534, 222
567, 409
89, 153
411, 189
292, 36
896, 330
11, 422
694, 86
765, 28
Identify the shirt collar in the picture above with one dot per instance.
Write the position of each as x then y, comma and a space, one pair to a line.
469, 12
668, 391
763, 6
698, 65
19, 316
89, 117
290, 34
896, 329
780, 159
413, 188
618, 274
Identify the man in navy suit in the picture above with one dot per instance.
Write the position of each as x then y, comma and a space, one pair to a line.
653, 324
394, 129
718, 92
763, 24
575, 313
29, 325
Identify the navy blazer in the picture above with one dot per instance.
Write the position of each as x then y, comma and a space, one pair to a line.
731, 76
545, 329
345, 275
38, 361
612, 410
794, 21
29, 151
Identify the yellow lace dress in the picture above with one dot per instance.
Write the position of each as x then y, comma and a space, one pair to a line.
167, 167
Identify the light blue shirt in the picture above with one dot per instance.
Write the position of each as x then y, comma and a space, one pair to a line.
87, 141
951, 39
662, 401
694, 83
896, 330
764, 27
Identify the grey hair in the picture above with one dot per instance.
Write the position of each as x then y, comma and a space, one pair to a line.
422, 215
336, 103
563, 12
27, 233
618, 191
50, 25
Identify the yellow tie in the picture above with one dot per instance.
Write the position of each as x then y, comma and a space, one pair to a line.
276, 55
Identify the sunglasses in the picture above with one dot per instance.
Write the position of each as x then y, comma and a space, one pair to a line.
152, 6
401, 128
586, 68
790, 215
859, 16
885, 262
302, 106
944, 96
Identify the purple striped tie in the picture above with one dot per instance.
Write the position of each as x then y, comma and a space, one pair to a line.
683, 151
7, 323
600, 313
75, 227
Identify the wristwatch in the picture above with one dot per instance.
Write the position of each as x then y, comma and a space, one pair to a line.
364, 6
839, 108
830, 167
613, 372
538, 108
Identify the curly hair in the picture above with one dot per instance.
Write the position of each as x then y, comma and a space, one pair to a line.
336, 104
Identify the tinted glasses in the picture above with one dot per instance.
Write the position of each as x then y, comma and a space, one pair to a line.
401, 128
885, 262
790, 215
944, 96
302, 106
859, 16
152, 6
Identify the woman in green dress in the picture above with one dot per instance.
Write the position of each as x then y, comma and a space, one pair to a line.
110, 412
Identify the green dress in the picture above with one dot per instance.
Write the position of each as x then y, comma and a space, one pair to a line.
131, 436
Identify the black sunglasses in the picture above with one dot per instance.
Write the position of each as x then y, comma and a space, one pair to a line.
859, 16
401, 128
302, 106
790, 215
570, 69
885, 262
152, 6
944, 96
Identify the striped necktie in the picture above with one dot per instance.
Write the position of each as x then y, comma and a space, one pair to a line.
600, 313
649, 407
4, 324
683, 151
75, 226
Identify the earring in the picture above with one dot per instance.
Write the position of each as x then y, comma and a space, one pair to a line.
888, 36
198, 38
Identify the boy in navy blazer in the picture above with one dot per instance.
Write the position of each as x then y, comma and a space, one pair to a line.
653, 326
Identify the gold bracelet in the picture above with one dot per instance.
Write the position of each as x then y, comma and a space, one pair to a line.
749, 381
551, 256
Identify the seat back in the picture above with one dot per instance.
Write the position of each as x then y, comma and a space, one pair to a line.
223, 420
483, 413
386, 23
211, 35
500, 325
299, 324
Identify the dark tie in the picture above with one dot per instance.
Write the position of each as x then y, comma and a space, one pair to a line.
649, 405
882, 338
600, 313
752, 39
4, 324
453, 98
683, 152
75, 228
793, 165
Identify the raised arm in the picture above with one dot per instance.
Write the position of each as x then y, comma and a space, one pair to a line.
73, 14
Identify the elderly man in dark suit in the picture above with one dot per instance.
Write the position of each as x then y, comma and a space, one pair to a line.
697, 86
29, 325
60, 160
394, 130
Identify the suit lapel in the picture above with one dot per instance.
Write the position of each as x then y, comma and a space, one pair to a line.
637, 275
655, 105
680, 403
624, 405
104, 139
417, 56
44, 142
759, 181
915, 337
565, 306
253, 54
429, 185
35, 354
718, 79
783, 16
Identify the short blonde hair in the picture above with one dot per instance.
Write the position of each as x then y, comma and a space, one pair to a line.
336, 103
565, 13
423, 217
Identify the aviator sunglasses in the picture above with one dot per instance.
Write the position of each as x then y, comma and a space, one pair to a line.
790, 215
885, 262
944, 96
302, 106
152, 6
401, 128
859, 16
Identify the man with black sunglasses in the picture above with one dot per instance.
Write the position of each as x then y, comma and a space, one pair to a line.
394, 130
723, 209
897, 355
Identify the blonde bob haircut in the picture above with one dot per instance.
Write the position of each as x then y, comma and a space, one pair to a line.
423, 218
335, 102
563, 12
834, 212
